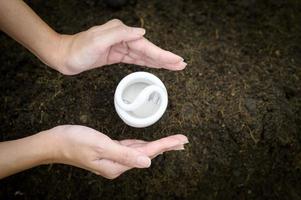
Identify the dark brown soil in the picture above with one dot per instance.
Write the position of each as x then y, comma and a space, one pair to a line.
238, 101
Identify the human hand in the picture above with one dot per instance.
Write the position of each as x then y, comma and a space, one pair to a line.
112, 42
89, 149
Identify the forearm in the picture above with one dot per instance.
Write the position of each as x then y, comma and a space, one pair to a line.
20, 22
25, 153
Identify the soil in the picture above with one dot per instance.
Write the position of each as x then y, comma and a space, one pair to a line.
238, 101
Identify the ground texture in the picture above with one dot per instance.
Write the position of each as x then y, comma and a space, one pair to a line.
238, 101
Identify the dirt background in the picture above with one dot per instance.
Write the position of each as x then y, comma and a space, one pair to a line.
238, 101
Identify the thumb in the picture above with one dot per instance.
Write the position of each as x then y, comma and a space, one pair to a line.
126, 155
123, 33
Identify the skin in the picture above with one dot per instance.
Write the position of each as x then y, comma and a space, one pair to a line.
80, 146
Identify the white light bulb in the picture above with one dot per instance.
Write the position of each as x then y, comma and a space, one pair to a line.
140, 99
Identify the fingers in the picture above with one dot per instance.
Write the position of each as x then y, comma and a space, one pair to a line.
138, 58
176, 66
118, 33
117, 53
109, 169
150, 63
126, 155
112, 23
176, 148
133, 58
160, 56
151, 50
174, 142
129, 142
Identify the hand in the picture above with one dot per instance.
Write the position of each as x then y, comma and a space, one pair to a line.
89, 149
111, 43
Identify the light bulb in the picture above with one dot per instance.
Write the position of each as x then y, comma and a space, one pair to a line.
140, 99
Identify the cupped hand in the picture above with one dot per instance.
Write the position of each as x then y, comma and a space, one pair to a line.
113, 42
89, 149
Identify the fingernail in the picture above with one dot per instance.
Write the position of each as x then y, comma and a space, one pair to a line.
181, 66
178, 148
185, 141
139, 31
143, 161
181, 59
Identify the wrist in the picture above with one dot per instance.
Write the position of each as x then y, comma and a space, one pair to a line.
54, 54
60, 54
46, 48
50, 147
58, 145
